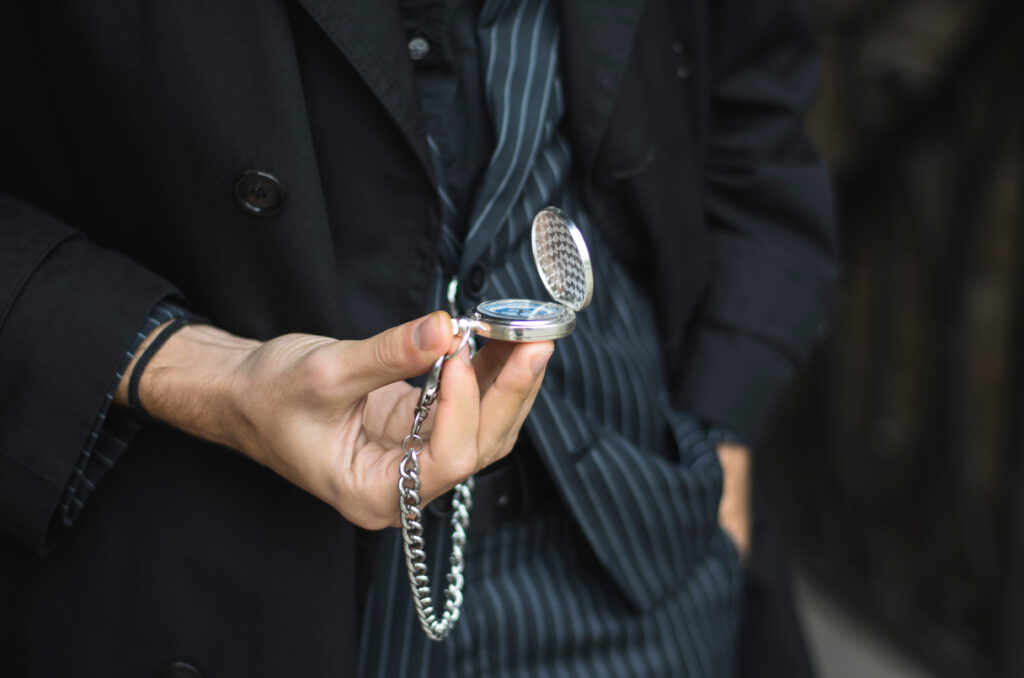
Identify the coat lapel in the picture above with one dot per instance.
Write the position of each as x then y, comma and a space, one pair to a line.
369, 33
598, 38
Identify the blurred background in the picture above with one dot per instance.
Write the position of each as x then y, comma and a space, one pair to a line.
895, 473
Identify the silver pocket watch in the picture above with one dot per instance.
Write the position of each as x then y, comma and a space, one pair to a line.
563, 263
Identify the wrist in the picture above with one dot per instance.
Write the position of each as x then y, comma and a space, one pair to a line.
192, 383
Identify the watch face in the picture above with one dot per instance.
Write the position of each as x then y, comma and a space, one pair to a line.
521, 309
522, 320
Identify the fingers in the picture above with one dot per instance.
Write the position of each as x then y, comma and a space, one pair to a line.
489, 360
507, 402
734, 514
471, 432
399, 353
467, 431
451, 455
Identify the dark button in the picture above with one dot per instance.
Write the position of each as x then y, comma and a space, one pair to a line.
685, 55
177, 670
259, 193
476, 280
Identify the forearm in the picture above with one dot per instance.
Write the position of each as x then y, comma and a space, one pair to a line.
192, 381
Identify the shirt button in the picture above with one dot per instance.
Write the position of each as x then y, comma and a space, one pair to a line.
418, 48
476, 281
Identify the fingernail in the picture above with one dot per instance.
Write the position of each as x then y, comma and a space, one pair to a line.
426, 334
465, 355
539, 361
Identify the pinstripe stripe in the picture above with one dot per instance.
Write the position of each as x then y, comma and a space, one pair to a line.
537, 615
665, 562
688, 613
567, 604
554, 616
496, 612
613, 516
511, 162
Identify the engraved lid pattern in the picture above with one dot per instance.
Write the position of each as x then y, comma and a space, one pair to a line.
562, 259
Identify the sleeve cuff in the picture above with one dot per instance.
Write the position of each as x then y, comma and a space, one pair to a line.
734, 381
111, 433
63, 336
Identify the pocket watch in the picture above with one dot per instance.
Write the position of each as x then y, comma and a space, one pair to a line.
563, 264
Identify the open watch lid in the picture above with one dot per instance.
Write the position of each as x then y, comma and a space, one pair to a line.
563, 263
562, 259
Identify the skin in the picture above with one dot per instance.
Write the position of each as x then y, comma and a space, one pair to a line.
330, 416
734, 508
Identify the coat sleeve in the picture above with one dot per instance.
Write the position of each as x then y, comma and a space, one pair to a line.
68, 311
770, 213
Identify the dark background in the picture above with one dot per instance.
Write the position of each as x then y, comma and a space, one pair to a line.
896, 469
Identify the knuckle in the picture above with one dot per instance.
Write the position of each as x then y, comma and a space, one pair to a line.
322, 373
463, 466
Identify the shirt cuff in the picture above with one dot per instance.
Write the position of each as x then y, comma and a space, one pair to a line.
111, 432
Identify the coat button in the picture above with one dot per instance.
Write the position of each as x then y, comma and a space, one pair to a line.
476, 280
177, 670
259, 193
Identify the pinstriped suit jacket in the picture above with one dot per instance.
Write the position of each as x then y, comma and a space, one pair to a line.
126, 126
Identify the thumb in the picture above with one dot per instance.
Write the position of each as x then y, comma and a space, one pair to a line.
399, 353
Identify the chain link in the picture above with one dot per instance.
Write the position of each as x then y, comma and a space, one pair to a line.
409, 504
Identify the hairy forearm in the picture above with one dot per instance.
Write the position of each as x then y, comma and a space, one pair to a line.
192, 382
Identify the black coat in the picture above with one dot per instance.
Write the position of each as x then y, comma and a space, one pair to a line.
123, 129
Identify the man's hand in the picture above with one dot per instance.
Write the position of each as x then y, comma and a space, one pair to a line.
330, 416
734, 509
